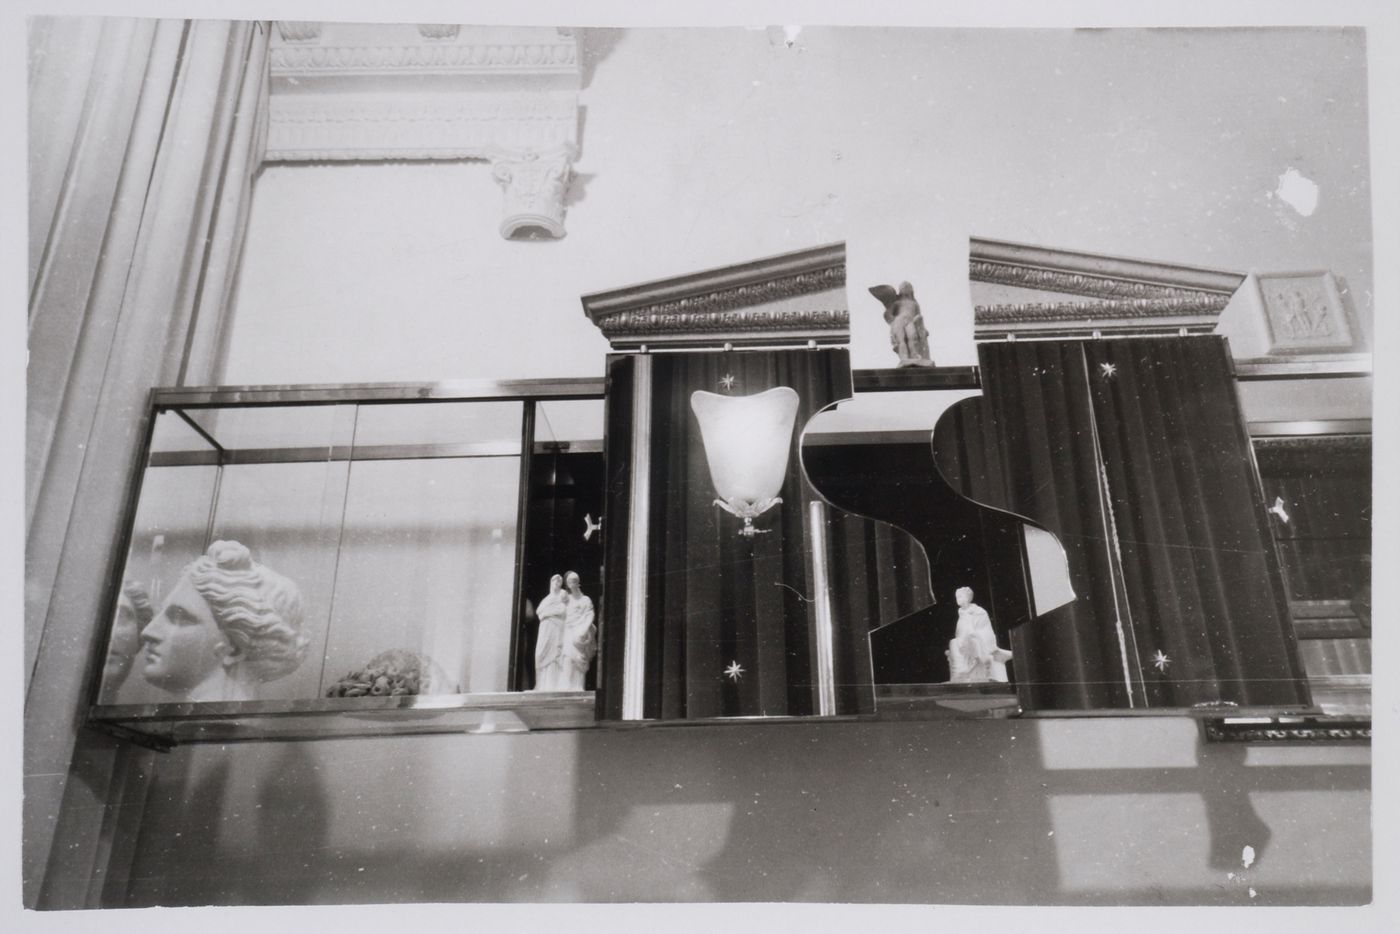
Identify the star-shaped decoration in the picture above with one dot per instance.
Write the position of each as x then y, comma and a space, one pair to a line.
734, 672
1160, 661
1109, 370
1278, 509
726, 382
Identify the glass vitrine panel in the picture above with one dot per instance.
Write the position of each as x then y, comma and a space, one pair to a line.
423, 591
302, 552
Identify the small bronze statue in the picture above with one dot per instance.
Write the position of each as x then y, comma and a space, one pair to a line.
908, 336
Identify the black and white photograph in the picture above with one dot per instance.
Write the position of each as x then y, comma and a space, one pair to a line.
793, 457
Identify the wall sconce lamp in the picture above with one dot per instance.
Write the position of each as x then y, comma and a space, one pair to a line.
747, 440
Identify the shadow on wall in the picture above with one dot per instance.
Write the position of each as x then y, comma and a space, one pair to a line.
992, 812
1112, 811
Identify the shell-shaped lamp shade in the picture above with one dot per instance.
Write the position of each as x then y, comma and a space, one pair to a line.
747, 440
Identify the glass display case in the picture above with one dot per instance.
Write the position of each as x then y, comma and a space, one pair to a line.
334, 561
306, 561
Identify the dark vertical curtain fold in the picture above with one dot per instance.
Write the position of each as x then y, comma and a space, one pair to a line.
912, 541
879, 572
1133, 453
1198, 557
617, 484
1026, 446
730, 619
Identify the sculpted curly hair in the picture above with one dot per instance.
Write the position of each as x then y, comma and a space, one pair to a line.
140, 598
258, 609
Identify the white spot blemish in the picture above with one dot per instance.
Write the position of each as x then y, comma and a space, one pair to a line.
790, 34
1247, 856
1252, 893
1297, 191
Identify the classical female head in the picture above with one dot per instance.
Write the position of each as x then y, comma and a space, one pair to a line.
229, 619
963, 595
571, 581
134, 611
556, 583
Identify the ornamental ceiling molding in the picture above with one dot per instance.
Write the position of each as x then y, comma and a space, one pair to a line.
1123, 296
557, 56
505, 95
792, 299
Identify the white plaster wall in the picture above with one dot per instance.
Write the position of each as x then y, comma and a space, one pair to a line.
703, 147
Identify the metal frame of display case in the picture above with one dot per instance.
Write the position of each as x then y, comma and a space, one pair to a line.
163, 725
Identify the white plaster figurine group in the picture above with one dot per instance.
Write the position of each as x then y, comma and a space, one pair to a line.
229, 625
973, 655
568, 639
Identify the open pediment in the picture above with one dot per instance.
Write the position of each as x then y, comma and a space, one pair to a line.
1031, 291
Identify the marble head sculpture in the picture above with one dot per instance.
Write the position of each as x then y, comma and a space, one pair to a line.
228, 625
134, 612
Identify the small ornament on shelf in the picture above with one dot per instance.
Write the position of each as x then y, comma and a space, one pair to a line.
395, 673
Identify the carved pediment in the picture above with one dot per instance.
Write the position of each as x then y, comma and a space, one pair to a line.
1027, 291
792, 299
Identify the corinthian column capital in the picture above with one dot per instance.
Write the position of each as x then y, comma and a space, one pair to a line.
535, 184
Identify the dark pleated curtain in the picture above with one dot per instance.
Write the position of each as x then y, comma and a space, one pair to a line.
879, 573
717, 601
1134, 454
912, 541
1025, 447
617, 506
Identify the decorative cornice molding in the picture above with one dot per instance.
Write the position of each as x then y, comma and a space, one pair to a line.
733, 304
1089, 319
1128, 296
641, 324
509, 95
1138, 309
358, 127
436, 57
1099, 271
1078, 283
